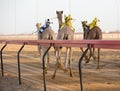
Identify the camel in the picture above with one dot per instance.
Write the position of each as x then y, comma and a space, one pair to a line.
47, 34
64, 33
38, 26
94, 33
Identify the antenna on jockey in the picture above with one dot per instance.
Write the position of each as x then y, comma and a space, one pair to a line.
36, 11
70, 10
70, 6
117, 6
15, 19
53, 18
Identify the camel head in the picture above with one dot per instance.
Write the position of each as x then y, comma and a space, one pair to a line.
85, 29
84, 24
59, 16
38, 25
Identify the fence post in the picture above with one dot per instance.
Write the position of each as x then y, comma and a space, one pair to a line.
44, 78
2, 68
79, 65
18, 57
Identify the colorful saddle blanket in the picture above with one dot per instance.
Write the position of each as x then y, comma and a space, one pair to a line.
67, 22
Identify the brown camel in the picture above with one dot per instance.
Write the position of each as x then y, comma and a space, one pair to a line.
47, 34
94, 33
64, 33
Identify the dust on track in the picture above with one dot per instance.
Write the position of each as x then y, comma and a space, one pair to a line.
107, 78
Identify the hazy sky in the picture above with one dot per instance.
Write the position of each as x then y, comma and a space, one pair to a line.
20, 16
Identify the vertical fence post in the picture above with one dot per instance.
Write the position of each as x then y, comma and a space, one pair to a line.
18, 57
44, 78
80, 69
2, 68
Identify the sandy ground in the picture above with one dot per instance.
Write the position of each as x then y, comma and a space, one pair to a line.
107, 78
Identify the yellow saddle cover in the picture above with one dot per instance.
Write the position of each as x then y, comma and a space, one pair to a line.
67, 22
93, 23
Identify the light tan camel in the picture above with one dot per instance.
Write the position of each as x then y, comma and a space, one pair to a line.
94, 33
47, 34
64, 33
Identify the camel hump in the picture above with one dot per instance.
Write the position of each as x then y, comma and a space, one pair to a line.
48, 33
67, 26
96, 28
66, 29
98, 32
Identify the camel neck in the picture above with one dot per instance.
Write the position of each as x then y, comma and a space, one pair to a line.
60, 22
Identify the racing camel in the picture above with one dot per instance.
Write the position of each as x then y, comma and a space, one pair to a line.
47, 34
65, 32
92, 31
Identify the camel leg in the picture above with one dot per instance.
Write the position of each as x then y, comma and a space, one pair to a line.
98, 66
81, 49
86, 57
57, 66
61, 66
48, 58
44, 49
39, 50
89, 56
93, 55
58, 62
39, 47
70, 60
41, 56
66, 58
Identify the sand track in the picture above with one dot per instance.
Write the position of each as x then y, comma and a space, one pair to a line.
105, 79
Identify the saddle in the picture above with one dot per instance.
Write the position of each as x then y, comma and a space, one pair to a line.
67, 22
93, 23
43, 28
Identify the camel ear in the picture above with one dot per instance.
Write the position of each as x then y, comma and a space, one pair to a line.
65, 16
62, 12
56, 12
84, 21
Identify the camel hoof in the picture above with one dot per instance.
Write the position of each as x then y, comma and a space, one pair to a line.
65, 70
46, 70
53, 77
71, 75
98, 68
87, 62
86, 58
95, 58
60, 65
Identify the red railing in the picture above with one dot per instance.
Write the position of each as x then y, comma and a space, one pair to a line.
107, 44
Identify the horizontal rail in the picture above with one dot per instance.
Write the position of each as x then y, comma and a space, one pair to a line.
108, 44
